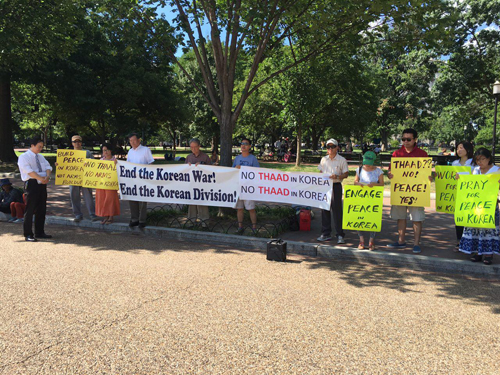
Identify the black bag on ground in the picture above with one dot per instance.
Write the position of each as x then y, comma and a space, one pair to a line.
276, 250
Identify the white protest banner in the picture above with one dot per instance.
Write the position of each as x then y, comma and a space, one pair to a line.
271, 185
203, 185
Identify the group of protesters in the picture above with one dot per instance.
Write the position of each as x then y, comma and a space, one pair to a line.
36, 173
482, 243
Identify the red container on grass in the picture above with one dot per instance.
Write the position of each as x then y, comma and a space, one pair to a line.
305, 220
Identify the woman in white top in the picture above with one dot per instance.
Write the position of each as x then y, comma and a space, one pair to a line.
465, 153
368, 175
482, 241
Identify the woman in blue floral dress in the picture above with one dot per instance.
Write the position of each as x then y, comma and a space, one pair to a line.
481, 241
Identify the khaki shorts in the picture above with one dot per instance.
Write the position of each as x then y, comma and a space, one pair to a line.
400, 213
249, 205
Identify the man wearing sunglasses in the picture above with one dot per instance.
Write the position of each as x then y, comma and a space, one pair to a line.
336, 166
399, 213
76, 192
248, 160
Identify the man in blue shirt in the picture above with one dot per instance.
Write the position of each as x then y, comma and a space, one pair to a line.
248, 160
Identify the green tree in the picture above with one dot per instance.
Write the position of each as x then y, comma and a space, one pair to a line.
403, 80
258, 30
462, 93
118, 78
31, 32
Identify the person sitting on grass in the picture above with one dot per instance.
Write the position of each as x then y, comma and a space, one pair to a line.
248, 160
8, 198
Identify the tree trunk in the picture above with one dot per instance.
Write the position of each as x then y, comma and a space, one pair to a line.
315, 139
7, 153
384, 136
299, 144
226, 140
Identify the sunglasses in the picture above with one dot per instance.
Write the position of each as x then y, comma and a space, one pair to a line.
245, 144
331, 146
77, 141
407, 139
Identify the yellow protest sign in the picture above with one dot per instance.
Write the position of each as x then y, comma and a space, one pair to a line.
363, 208
100, 174
476, 201
410, 185
446, 187
69, 168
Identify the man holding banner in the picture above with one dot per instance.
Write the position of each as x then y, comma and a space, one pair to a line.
248, 160
138, 154
399, 213
75, 192
198, 157
336, 167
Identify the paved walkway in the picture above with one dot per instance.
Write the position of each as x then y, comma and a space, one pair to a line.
91, 302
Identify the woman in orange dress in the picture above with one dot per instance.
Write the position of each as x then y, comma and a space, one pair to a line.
107, 204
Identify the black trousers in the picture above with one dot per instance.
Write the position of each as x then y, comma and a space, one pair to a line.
336, 210
459, 231
36, 204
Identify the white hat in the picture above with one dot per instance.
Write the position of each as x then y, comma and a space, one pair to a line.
332, 141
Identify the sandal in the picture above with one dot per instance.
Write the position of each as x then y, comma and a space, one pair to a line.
476, 258
371, 246
109, 221
457, 247
487, 260
361, 246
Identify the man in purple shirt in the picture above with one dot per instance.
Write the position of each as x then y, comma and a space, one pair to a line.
198, 157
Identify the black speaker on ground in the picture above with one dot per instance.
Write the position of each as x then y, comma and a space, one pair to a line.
276, 250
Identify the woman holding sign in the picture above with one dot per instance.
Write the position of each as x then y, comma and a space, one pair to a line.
465, 153
482, 241
107, 204
368, 175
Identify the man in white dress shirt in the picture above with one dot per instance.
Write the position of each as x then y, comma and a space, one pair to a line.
138, 154
337, 168
35, 172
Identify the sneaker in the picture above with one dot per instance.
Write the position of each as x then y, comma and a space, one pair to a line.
18, 221
133, 224
30, 239
323, 238
142, 225
240, 230
77, 219
340, 240
417, 249
11, 220
94, 218
397, 245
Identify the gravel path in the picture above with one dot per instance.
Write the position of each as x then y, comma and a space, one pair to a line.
91, 303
